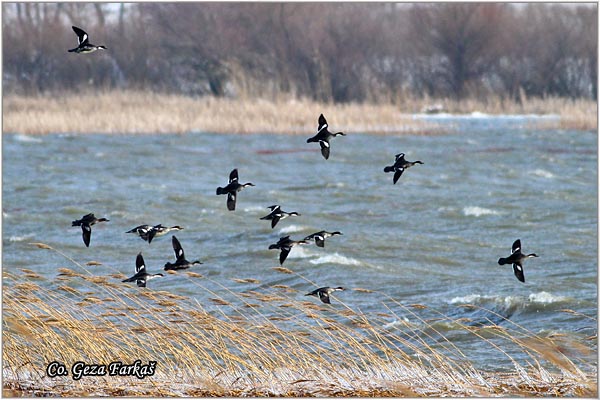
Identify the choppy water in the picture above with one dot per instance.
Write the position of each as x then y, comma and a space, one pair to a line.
434, 238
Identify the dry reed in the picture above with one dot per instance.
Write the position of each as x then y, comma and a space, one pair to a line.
136, 112
265, 343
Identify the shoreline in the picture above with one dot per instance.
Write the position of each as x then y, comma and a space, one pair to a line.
138, 112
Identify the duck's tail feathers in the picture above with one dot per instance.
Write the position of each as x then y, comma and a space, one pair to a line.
220, 190
389, 168
502, 261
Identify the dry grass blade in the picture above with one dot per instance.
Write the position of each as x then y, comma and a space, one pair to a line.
283, 270
361, 290
245, 280
41, 246
220, 302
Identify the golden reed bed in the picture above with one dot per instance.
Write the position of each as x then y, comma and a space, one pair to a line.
136, 112
267, 342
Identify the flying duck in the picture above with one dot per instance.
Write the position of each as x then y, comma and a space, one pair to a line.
141, 276
83, 45
159, 230
516, 259
86, 223
321, 236
399, 166
181, 262
232, 189
324, 292
141, 231
323, 136
147, 232
277, 214
285, 244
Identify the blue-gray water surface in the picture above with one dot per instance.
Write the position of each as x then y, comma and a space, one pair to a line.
434, 238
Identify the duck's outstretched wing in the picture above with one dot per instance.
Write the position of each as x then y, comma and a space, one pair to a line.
519, 272
179, 254
283, 255
322, 123
398, 174
274, 221
150, 235
319, 240
324, 296
324, 148
82, 36
233, 176
231, 201
86, 232
516, 246
140, 265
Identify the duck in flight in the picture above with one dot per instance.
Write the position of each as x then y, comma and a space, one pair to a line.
323, 136
83, 44
232, 189
141, 231
516, 259
278, 214
285, 244
141, 276
399, 166
86, 223
321, 236
324, 292
147, 232
181, 262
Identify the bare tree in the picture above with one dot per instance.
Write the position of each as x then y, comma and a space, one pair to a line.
460, 38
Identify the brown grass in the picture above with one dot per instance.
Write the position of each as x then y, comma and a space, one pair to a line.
136, 112
261, 343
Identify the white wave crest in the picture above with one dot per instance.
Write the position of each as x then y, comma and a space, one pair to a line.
27, 139
478, 211
255, 208
540, 297
15, 238
470, 298
292, 229
546, 298
480, 299
542, 173
299, 252
402, 322
335, 258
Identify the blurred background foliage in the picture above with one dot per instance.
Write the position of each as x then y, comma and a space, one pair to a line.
332, 52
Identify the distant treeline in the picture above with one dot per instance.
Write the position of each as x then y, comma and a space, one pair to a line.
334, 52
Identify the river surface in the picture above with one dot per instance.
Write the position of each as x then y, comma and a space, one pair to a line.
434, 238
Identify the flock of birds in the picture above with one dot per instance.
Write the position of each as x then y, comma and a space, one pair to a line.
284, 244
